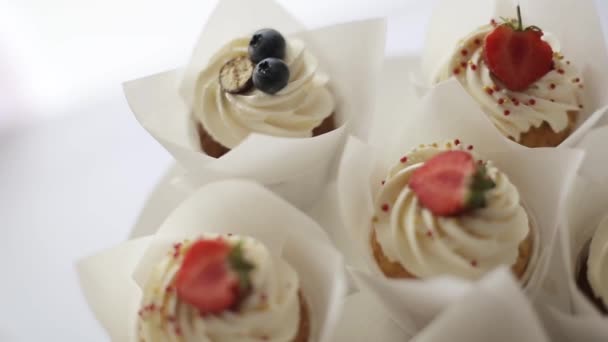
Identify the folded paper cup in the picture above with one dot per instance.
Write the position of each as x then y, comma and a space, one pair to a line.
488, 312
541, 175
589, 55
351, 55
585, 211
112, 280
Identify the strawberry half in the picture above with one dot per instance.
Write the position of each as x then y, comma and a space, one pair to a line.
516, 56
451, 183
213, 276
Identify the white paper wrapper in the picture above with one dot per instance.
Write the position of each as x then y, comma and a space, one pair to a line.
112, 280
351, 54
542, 177
495, 309
568, 21
585, 208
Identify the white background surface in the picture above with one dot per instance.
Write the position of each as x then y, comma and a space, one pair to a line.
74, 183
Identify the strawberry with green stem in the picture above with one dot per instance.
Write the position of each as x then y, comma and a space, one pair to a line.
516, 55
451, 183
214, 276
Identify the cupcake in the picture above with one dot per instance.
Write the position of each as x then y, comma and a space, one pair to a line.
263, 84
592, 277
264, 272
444, 211
223, 288
531, 93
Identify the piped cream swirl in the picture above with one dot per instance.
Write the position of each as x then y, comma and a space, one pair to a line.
292, 112
466, 246
271, 312
597, 264
549, 99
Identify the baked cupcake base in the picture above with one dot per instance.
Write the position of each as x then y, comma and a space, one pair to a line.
544, 136
216, 150
393, 269
583, 281
304, 327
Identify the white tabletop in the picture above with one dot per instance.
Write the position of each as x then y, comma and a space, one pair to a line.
74, 184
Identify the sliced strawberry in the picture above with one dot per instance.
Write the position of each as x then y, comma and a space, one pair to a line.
205, 279
516, 56
450, 183
441, 183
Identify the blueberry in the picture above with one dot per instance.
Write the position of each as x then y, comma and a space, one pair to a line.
270, 75
266, 43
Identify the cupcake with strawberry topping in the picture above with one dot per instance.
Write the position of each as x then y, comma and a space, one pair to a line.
223, 288
443, 211
531, 92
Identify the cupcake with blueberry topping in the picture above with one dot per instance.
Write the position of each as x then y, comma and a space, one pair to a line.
223, 288
261, 84
443, 211
531, 93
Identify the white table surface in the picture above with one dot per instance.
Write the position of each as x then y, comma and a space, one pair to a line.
74, 185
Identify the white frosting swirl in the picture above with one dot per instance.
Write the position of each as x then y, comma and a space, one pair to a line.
466, 246
292, 112
597, 264
549, 99
271, 312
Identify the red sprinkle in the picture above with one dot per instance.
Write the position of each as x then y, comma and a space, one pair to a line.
561, 71
507, 112
501, 101
552, 86
403, 159
456, 71
489, 90
383, 182
464, 52
576, 80
171, 319
532, 102
463, 64
429, 233
470, 147
496, 87
457, 142
169, 289
474, 263
384, 207
473, 67
478, 41
178, 331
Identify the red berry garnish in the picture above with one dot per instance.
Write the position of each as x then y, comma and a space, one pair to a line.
517, 56
451, 183
212, 276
